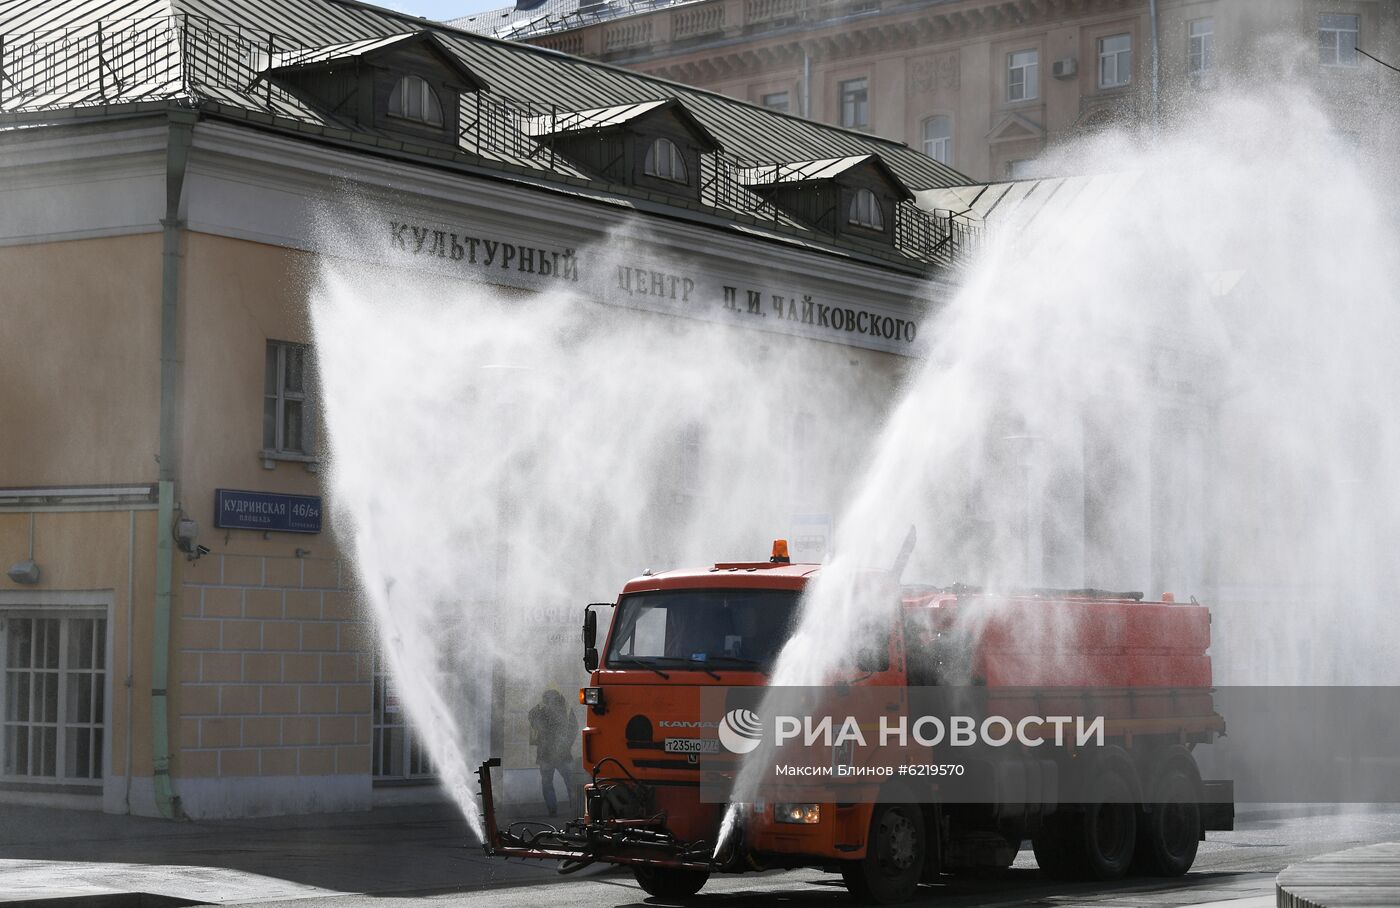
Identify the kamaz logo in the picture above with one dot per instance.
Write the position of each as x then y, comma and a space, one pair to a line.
668, 723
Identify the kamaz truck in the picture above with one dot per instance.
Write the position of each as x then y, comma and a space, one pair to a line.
1131, 802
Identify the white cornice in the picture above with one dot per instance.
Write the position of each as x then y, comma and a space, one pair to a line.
305, 168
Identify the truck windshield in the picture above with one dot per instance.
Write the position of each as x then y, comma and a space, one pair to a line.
704, 629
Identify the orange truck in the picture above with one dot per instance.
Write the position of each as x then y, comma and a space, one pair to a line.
1139, 804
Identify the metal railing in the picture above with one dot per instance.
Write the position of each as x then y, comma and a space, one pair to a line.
694, 17
194, 60
125, 60
944, 237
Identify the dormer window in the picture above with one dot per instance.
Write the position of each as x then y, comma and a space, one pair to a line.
651, 145
414, 99
865, 210
840, 197
664, 160
408, 85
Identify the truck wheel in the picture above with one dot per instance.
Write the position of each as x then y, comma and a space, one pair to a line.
669, 882
1094, 841
894, 856
1170, 832
1108, 826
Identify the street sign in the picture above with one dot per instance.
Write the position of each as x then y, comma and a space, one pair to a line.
267, 511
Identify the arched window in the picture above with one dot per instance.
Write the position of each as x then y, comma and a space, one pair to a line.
865, 210
938, 138
664, 160
414, 99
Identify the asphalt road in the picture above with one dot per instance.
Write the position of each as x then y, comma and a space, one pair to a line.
1233, 870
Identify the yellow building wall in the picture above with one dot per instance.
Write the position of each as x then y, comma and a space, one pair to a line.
272, 656
80, 361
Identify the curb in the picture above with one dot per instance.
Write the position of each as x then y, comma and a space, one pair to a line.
1365, 876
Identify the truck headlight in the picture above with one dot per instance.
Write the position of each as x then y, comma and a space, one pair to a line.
804, 814
590, 696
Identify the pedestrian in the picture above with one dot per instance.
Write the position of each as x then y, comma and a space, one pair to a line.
553, 731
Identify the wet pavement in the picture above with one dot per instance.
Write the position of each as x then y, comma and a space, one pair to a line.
49, 853
392, 855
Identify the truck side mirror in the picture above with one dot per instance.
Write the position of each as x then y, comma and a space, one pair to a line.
590, 628
590, 634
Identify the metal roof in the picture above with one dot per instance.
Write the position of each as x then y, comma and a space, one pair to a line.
347, 50
826, 169
308, 58
520, 75
63, 54
519, 20
1021, 201
552, 124
561, 121
800, 171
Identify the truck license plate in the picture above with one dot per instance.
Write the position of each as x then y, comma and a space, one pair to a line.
692, 745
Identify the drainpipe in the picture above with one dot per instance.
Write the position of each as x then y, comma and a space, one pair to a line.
806, 82
1156, 68
176, 158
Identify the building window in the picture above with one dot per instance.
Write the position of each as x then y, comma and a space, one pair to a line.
778, 101
1337, 38
414, 99
938, 138
865, 210
855, 103
396, 752
53, 685
1019, 170
1115, 61
1200, 45
288, 400
1023, 75
664, 161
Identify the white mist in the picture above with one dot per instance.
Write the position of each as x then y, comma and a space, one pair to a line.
1180, 375
499, 459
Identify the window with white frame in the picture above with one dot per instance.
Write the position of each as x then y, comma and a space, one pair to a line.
1115, 61
1020, 170
865, 210
414, 99
289, 400
778, 101
938, 138
1023, 75
53, 687
664, 160
1337, 39
855, 103
396, 750
1200, 45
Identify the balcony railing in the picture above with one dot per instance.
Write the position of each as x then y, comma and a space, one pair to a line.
689, 15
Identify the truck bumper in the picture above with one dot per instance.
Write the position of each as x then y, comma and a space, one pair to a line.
644, 842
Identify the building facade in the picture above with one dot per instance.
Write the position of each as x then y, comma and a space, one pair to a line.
179, 630
986, 87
